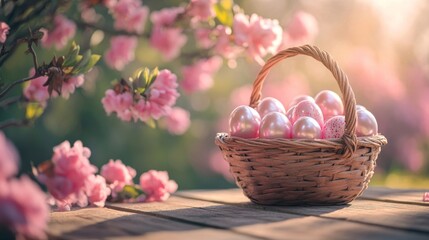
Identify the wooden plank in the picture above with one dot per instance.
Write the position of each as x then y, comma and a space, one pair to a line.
101, 223
407, 196
258, 222
385, 214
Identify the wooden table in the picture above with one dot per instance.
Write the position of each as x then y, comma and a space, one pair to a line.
380, 213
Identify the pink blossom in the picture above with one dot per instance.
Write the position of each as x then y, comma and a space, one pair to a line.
129, 15
162, 96
4, 30
199, 76
117, 174
9, 158
70, 84
63, 30
157, 186
169, 41
71, 171
23, 208
119, 103
203, 37
35, 91
224, 46
302, 28
97, 190
426, 197
259, 35
177, 122
121, 51
166, 17
164, 37
202, 9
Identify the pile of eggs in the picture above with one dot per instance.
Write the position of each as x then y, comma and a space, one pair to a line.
321, 117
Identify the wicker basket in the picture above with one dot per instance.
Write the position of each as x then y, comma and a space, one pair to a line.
303, 171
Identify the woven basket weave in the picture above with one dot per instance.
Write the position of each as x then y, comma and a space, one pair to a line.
303, 171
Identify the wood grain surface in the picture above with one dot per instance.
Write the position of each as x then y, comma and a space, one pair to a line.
380, 213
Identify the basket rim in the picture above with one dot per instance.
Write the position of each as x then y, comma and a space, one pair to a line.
370, 141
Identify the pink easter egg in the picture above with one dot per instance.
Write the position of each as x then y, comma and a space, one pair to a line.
308, 108
268, 105
299, 99
334, 127
244, 122
275, 125
330, 103
366, 124
289, 113
360, 107
306, 128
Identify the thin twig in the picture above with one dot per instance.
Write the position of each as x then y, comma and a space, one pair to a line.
7, 102
10, 86
33, 53
14, 123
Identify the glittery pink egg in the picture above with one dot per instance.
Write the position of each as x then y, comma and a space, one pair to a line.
299, 99
330, 103
244, 122
366, 124
275, 125
306, 128
307, 108
268, 105
334, 127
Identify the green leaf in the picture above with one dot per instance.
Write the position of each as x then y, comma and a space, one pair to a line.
86, 57
72, 56
146, 73
33, 110
131, 191
224, 13
151, 123
153, 76
92, 61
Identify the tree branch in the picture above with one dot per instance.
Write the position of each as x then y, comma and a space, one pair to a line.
10, 86
14, 123
7, 102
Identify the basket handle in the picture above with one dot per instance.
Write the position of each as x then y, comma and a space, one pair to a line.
349, 136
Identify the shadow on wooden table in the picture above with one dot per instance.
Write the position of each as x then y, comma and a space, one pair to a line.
142, 221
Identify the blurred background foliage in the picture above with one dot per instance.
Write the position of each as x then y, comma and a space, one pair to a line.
383, 46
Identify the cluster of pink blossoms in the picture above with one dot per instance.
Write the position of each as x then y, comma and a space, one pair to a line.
35, 91
121, 52
26, 219
199, 76
162, 95
71, 179
165, 37
62, 31
156, 184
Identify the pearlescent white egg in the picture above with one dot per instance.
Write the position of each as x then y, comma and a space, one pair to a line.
330, 103
307, 108
244, 122
275, 125
306, 128
366, 124
334, 127
268, 105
